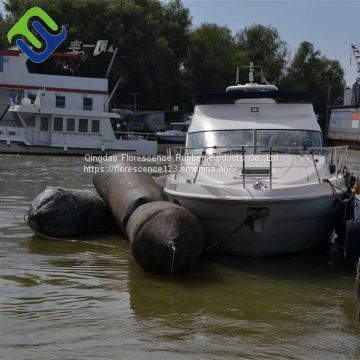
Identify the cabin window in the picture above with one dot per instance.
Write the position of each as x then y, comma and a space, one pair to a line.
16, 96
1, 63
95, 126
44, 123
283, 140
58, 123
227, 140
83, 125
70, 124
32, 97
30, 121
60, 101
87, 103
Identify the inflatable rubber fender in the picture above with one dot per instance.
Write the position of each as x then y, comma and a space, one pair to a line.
160, 180
125, 191
59, 212
165, 238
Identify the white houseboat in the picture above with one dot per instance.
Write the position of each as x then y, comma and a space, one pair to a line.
42, 113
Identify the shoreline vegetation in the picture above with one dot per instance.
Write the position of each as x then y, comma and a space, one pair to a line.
164, 58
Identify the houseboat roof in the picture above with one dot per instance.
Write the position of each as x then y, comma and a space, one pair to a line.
14, 74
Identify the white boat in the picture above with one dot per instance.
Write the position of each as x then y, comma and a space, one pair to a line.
175, 135
255, 172
60, 114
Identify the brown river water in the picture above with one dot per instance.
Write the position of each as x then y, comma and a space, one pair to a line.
69, 299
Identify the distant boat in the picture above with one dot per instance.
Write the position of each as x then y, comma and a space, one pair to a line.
176, 134
54, 114
344, 124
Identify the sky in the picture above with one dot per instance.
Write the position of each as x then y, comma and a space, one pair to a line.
331, 25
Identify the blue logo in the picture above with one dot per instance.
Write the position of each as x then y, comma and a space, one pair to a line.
50, 42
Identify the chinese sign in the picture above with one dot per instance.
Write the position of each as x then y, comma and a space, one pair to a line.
101, 46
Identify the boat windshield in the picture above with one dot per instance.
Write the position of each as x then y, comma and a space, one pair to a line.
232, 140
289, 138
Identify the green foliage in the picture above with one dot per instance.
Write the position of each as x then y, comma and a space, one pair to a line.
212, 59
264, 47
152, 38
164, 59
310, 71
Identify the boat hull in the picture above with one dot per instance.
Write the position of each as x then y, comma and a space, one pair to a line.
18, 147
286, 226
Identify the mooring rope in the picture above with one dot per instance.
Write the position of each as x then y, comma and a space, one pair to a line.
247, 221
334, 188
72, 240
173, 259
216, 243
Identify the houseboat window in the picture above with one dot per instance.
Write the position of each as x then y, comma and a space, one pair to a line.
32, 97
58, 123
60, 101
288, 138
16, 96
87, 103
30, 121
83, 125
70, 124
95, 126
44, 123
222, 138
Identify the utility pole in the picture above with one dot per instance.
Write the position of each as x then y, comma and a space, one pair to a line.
327, 120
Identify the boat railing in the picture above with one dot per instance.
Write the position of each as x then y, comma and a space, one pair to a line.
32, 134
130, 135
335, 157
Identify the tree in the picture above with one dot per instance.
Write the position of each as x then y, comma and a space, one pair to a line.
152, 38
264, 46
313, 72
213, 58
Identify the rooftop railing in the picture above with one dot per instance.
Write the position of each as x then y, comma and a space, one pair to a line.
129, 135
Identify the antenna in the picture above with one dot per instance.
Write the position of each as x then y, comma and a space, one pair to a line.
251, 68
251, 73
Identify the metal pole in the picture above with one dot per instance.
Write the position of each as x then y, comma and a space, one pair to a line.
243, 159
111, 63
327, 120
115, 88
270, 167
337, 164
135, 95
